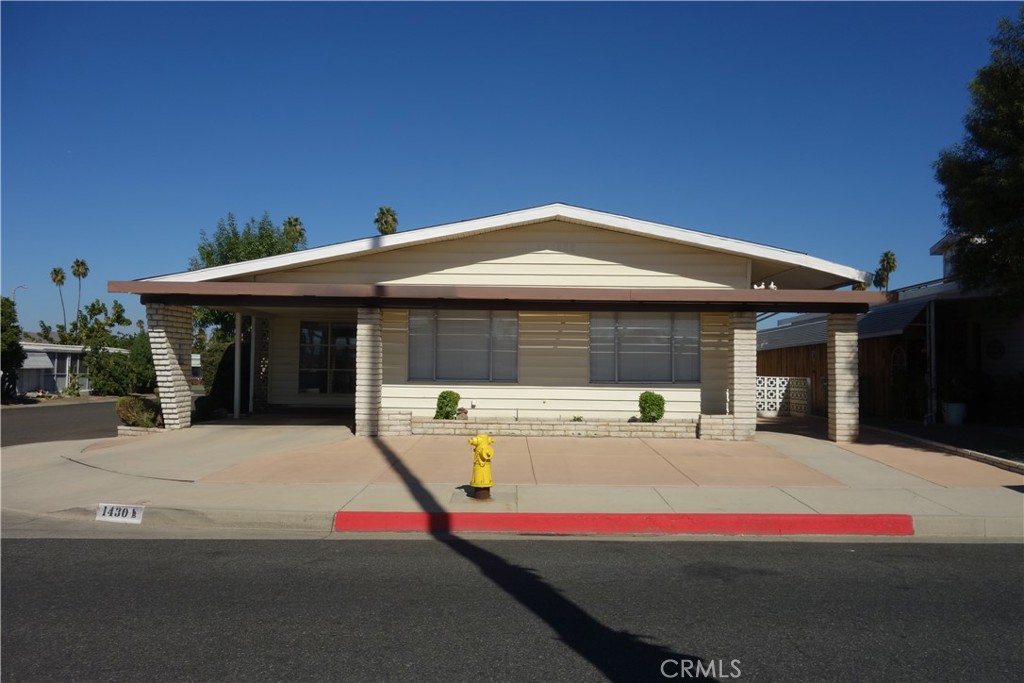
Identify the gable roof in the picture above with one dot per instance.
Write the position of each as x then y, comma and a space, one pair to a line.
791, 269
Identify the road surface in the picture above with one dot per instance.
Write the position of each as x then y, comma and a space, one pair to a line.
34, 424
516, 610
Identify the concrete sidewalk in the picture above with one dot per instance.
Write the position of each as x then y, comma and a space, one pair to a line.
250, 476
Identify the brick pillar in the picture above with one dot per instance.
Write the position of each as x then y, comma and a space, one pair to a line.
743, 374
843, 389
170, 337
369, 371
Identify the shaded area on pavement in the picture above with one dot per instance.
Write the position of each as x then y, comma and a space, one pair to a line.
618, 655
1003, 442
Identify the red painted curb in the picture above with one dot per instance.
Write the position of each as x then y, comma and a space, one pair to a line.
730, 524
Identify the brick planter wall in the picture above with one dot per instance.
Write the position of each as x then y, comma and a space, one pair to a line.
125, 430
682, 429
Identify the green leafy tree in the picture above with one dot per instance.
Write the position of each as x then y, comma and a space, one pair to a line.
58, 277
982, 177
141, 371
231, 244
110, 374
199, 341
80, 269
386, 220
12, 355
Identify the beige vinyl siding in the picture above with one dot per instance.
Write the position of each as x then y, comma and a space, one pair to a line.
715, 342
395, 344
554, 348
283, 386
552, 253
554, 367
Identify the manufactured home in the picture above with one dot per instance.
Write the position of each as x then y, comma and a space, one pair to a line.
544, 314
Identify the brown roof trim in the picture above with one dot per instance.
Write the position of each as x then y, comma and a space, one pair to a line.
241, 294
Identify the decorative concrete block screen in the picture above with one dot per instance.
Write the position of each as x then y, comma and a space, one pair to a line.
782, 395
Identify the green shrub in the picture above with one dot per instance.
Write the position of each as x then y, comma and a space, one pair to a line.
652, 406
109, 373
142, 373
218, 363
74, 387
577, 418
447, 405
201, 411
210, 360
137, 412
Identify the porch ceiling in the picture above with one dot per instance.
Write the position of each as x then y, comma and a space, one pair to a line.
263, 295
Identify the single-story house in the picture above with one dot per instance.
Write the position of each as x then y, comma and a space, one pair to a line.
931, 343
546, 313
49, 367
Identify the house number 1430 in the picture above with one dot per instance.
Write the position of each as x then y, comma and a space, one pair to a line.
126, 514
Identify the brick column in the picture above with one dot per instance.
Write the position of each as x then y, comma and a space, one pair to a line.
170, 338
369, 371
843, 389
743, 374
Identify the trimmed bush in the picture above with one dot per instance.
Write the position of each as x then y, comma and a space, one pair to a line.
447, 405
137, 412
652, 406
218, 362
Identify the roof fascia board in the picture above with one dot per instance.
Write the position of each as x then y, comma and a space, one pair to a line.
512, 219
384, 293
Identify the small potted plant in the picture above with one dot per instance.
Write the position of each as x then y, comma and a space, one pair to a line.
954, 400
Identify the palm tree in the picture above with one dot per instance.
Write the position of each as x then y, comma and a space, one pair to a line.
886, 267
58, 278
293, 228
80, 269
386, 220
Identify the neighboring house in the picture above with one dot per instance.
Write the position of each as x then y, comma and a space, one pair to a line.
932, 343
49, 367
543, 313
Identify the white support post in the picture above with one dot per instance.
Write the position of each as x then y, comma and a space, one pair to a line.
238, 367
252, 364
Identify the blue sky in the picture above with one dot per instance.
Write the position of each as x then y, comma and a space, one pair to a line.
129, 127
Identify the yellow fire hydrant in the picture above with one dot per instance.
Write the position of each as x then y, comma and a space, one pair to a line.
482, 454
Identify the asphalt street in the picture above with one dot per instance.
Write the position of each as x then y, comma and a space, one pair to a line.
449, 609
36, 424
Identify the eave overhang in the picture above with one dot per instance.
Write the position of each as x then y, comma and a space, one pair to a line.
242, 295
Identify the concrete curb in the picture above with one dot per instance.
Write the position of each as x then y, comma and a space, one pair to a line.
994, 460
212, 518
728, 524
1006, 528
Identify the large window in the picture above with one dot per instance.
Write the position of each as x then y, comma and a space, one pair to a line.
644, 347
463, 345
327, 358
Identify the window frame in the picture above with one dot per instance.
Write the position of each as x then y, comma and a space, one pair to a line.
329, 370
673, 338
435, 314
